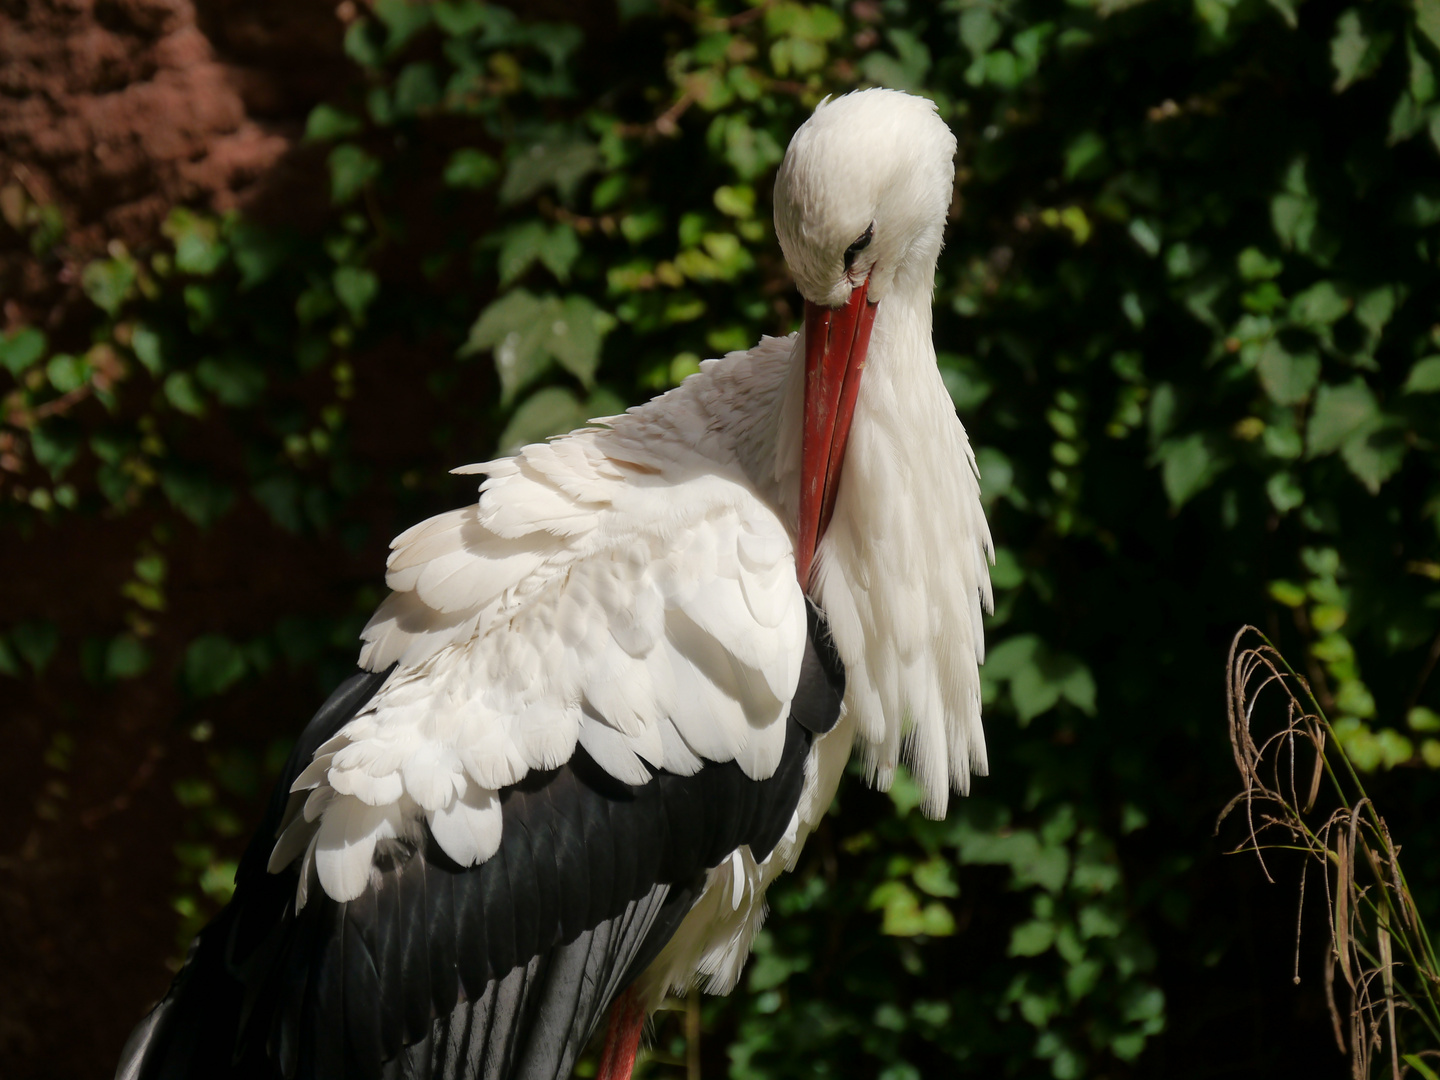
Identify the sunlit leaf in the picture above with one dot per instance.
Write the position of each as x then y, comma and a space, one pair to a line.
355, 288
327, 122
1319, 305
1424, 377
198, 247
1288, 379
1340, 412
1355, 51
108, 282
351, 168
469, 168
1188, 465
21, 349
561, 162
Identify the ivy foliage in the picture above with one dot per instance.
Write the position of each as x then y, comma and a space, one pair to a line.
1186, 311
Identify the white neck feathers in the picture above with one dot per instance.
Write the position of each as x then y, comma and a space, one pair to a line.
902, 572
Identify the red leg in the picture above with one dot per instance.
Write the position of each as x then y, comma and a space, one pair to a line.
622, 1038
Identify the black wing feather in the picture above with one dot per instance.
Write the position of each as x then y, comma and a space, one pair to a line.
500, 970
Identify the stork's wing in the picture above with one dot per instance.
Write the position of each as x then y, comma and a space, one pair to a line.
648, 613
500, 970
580, 700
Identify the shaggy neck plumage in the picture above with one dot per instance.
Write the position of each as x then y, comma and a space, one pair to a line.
901, 572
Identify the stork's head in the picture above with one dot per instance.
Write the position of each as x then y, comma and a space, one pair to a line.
860, 205
862, 195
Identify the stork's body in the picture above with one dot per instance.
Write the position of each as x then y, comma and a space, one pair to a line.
598, 714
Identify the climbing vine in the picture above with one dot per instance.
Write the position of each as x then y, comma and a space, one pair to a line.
1186, 311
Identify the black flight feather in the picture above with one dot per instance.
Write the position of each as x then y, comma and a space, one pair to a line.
498, 971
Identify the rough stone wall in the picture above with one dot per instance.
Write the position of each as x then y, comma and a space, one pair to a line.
115, 111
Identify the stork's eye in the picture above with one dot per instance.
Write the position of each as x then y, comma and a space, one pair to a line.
859, 245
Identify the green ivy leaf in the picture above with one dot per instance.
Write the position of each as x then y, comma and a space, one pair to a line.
326, 122
356, 288
126, 657
1320, 305
515, 327
554, 411
1032, 693
198, 248
36, 640
1424, 377
520, 247
362, 43
351, 168
1294, 212
936, 877
1374, 309
1423, 719
107, 282
526, 332
460, 17
1187, 466
1406, 118
1427, 20
235, 380
403, 19
1287, 379
213, 663
1255, 265
55, 446
1284, 491
257, 252
903, 915
469, 168
1098, 920
1039, 677
737, 201
1373, 456
280, 495
1031, 861
750, 151
904, 70
1340, 412
1355, 51
20, 350
979, 30
10, 664
183, 393
201, 498
417, 89
67, 372
558, 251
560, 161
1084, 154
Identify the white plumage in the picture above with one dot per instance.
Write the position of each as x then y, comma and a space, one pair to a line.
632, 587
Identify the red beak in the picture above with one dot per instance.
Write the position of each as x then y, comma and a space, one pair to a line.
835, 343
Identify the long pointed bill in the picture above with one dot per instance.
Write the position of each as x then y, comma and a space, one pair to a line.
835, 343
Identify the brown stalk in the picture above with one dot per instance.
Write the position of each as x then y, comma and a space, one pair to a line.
1377, 939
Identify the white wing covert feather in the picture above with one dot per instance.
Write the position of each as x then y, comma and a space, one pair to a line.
645, 608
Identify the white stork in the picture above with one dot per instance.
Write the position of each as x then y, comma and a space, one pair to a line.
603, 707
